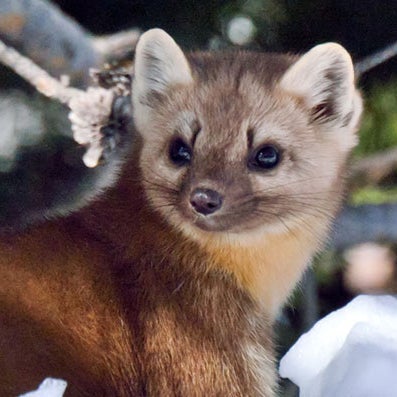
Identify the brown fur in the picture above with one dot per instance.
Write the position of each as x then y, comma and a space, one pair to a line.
81, 303
128, 298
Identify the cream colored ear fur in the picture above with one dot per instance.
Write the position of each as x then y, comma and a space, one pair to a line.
324, 79
159, 65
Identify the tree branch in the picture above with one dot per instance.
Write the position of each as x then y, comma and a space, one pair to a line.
90, 109
43, 33
117, 46
364, 223
375, 59
36, 76
372, 169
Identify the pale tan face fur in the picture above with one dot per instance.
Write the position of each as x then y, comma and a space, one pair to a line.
225, 108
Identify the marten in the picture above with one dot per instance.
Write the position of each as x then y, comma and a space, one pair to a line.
168, 281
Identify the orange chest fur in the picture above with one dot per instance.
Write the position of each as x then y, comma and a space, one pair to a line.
267, 268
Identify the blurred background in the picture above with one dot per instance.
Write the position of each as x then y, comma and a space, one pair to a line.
41, 168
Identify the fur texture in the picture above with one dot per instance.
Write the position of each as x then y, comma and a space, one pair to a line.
138, 294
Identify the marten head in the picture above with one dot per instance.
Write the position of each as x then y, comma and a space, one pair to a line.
239, 143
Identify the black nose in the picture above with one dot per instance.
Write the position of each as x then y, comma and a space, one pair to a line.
205, 201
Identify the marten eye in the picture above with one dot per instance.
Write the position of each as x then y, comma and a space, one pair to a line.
180, 152
266, 157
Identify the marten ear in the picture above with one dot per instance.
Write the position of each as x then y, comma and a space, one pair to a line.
159, 66
324, 79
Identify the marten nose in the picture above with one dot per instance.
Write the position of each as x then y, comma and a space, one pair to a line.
205, 201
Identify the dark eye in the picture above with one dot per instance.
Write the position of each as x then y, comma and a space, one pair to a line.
266, 157
180, 153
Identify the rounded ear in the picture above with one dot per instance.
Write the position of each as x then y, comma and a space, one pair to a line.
324, 79
159, 66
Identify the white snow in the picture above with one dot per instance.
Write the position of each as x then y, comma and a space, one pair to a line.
351, 353
50, 387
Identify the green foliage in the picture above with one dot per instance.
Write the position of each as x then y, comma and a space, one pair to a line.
379, 125
374, 195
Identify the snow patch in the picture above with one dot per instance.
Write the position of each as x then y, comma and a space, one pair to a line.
49, 388
351, 352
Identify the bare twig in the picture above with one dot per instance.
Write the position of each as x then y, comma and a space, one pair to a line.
116, 46
375, 59
36, 76
372, 169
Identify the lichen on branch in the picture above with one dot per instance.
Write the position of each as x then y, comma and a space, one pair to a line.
90, 110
